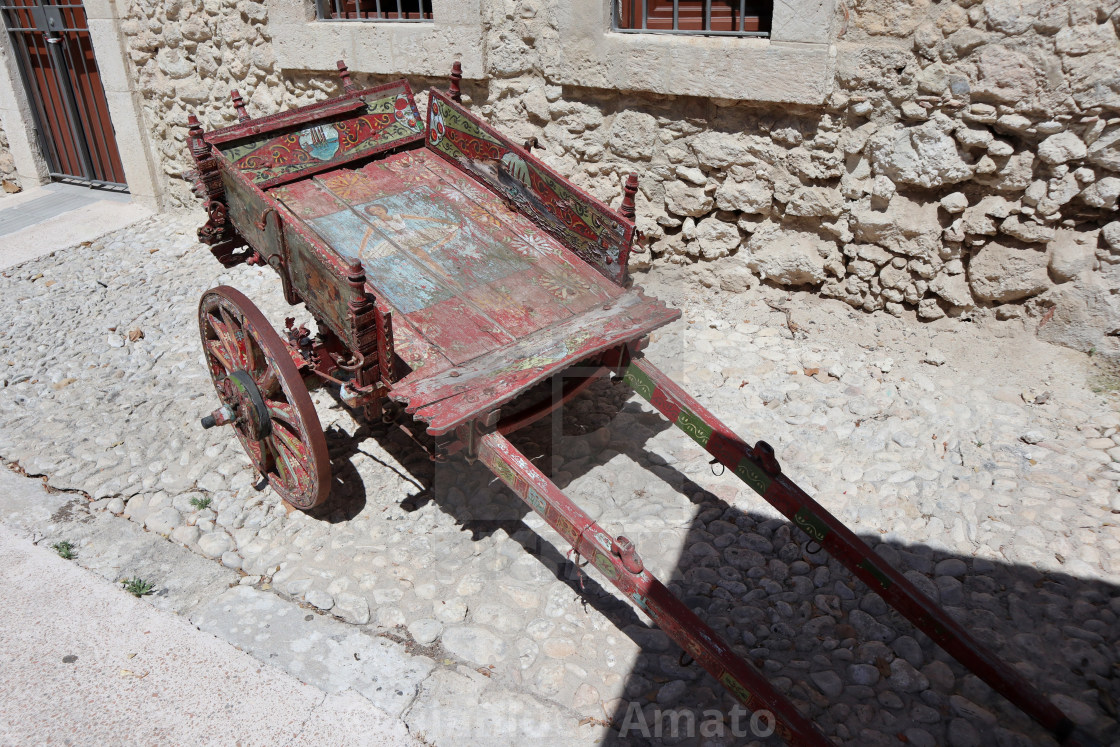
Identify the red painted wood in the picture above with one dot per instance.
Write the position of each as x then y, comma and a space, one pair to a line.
599, 235
302, 114
467, 391
643, 589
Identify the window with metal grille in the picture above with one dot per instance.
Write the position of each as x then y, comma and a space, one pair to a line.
374, 10
704, 17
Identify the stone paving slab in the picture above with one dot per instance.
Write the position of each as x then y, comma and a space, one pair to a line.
52, 217
321, 651
86, 663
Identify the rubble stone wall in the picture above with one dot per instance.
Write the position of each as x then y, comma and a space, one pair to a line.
966, 162
9, 180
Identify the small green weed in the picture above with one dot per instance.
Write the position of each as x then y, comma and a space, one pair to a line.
1106, 380
979, 444
64, 549
201, 503
138, 587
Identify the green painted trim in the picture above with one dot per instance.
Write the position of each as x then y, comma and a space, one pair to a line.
603, 563
637, 380
743, 694
753, 476
697, 429
879, 576
811, 524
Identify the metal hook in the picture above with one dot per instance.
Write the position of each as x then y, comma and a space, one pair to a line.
720, 473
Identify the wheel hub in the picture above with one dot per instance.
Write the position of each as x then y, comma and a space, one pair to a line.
249, 404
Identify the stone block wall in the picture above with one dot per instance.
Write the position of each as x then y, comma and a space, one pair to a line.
9, 180
965, 164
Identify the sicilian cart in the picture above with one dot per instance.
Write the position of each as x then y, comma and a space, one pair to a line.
449, 272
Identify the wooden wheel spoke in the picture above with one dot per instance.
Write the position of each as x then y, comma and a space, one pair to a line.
290, 452
257, 359
268, 381
283, 412
218, 350
238, 347
225, 336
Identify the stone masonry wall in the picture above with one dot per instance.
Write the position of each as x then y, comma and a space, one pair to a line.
966, 164
9, 180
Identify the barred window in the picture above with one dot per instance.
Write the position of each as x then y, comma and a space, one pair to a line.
703, 17
374, 10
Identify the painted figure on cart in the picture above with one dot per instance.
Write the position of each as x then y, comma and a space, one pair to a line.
421, 233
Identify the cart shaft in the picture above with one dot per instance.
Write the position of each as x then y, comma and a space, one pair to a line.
617, 560
758, 468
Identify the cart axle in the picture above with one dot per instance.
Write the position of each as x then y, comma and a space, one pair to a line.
222, 416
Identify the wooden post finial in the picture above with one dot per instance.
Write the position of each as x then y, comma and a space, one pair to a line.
361, 302
356, 275
194, 137
628, 192
344, 73
456, 76
239, 106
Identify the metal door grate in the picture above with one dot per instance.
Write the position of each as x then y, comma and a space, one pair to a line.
51, 43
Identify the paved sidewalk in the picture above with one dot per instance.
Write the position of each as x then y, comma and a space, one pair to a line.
52, 217
86, 663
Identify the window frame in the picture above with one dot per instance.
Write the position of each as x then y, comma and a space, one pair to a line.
302, 43
795, 65
325, 10
618, 17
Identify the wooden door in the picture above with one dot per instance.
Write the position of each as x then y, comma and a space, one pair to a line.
51, 44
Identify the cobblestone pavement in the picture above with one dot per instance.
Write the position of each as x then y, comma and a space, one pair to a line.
983, 463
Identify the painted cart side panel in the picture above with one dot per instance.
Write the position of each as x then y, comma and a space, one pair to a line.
247, 206
452, 398
599, 235
312, 269
389, 119
317, 282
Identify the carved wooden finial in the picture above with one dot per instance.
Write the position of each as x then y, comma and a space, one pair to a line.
456, 76
356, 277
239, 106
344, 73
194, 137
628, 193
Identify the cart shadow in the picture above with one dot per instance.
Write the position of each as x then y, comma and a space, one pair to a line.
796, 606
787, 611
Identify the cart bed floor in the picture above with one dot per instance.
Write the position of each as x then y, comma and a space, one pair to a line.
471, 280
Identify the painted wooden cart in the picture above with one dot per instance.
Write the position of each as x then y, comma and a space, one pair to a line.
449, 272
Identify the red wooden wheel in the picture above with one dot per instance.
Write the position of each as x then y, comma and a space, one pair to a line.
263, 397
